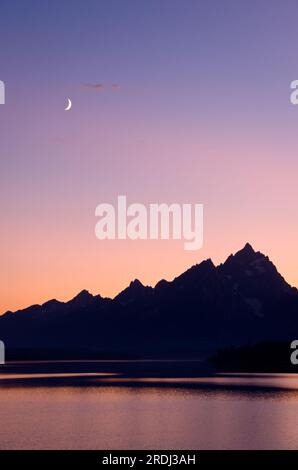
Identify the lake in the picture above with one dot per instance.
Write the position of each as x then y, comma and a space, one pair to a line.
101, 407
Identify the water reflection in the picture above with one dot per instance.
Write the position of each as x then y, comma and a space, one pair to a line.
79, 411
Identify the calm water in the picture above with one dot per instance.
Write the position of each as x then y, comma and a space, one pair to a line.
107, 411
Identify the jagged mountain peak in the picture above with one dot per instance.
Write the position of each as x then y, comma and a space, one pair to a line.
83, 294
248, 248
82, 299
136, 284
197, 271
244, 256
242, 300
134, 291
254, 272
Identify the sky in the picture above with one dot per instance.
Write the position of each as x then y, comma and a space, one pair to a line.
191, 105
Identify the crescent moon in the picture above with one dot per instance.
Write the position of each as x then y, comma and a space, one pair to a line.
69, 105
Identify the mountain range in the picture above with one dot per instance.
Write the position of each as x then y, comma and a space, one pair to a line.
240, 302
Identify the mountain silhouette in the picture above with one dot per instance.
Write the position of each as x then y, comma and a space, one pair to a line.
242, 301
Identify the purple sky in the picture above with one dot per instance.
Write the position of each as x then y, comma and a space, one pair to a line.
194, 107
